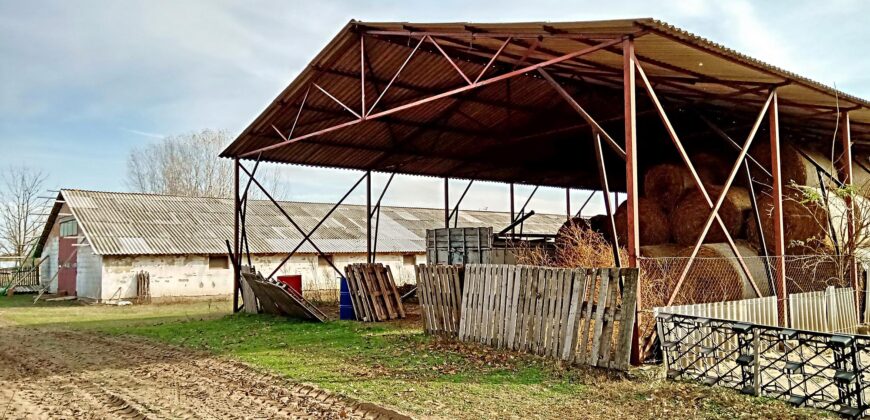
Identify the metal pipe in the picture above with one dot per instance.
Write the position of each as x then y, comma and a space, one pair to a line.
567, 204
455, 211
758, 230
369, 217
446, 203
602, 176
513, 224
236, 272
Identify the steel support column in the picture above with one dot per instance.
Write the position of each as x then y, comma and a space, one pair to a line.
631, 197
513, 212
236, 237
446, 202
568, 204
369, 217
778, 237
850, 243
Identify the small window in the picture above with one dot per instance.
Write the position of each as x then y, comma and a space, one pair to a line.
409, 259
324, 260
218, 262
69, 228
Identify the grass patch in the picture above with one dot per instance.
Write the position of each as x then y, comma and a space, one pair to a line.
395, 364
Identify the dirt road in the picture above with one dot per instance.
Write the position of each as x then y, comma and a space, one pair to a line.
51, 373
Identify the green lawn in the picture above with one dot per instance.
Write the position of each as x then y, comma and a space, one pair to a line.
395, 364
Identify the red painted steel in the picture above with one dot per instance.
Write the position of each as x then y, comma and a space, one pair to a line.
778, 237
845, 171
67, 265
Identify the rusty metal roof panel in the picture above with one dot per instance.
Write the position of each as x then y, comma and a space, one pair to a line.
473, 135
149, 224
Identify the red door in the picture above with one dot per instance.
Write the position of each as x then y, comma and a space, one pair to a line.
66, 262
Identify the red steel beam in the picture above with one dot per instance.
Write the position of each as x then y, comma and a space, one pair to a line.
633, 241
449, 60
591, 121
436, 97
492, 60
362, 74
845, 171
778, 237
337, 101
395, 76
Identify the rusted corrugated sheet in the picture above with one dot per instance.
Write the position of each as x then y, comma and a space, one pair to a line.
475, 136
141, 224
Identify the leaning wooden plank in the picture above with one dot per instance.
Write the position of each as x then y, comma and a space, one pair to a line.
556, 323
472, 282
604, 275
484, 302
362, 293
587, 302
422, 297
607, 328
540, 309
398, 298
355, 294
248, 297
572, 322
503, 314
378, 274
513, 302
374, 295
628, 317
464, 313
531, 280
458, 276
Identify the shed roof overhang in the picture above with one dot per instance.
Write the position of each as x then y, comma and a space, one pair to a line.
468, 100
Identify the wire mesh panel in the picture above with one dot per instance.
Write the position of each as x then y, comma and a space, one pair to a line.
726, 279
804, 368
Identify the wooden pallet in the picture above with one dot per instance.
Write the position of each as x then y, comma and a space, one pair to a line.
373, 293
277, 298
439, 289
579, 315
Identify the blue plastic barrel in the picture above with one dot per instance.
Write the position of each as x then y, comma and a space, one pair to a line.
345, 305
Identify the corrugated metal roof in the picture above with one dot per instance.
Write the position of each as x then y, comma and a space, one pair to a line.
140, 224
473, 136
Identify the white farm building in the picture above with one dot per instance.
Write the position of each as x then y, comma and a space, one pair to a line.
95, 243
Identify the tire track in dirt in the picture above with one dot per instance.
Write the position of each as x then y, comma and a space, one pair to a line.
52, 373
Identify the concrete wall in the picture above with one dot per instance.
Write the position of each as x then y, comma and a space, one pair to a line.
89, 273
190, 275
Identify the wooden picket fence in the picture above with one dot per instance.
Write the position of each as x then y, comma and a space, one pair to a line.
439, 289
583, 316
373, 292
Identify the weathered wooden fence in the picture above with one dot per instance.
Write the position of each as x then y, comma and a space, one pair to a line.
830, 310
757, 311
439, 289
19, 277
579, 315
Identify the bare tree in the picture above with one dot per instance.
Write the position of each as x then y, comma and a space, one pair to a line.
188, 165
22, 210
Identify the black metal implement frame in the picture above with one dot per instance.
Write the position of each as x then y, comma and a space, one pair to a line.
804, 368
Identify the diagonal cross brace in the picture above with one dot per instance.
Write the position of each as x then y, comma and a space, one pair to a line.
721, 199
676, 140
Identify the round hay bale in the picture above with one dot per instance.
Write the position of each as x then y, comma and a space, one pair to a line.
716, 275
667, 182
652, 222
660, 250
600, 224
711, 168
795, 168
691, 213
804, 224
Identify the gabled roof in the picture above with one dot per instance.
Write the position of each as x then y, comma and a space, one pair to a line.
149, 224
520, 130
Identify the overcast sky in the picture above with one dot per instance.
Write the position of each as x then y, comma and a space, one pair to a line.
83, 82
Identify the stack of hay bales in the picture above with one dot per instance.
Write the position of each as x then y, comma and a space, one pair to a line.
672, 213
